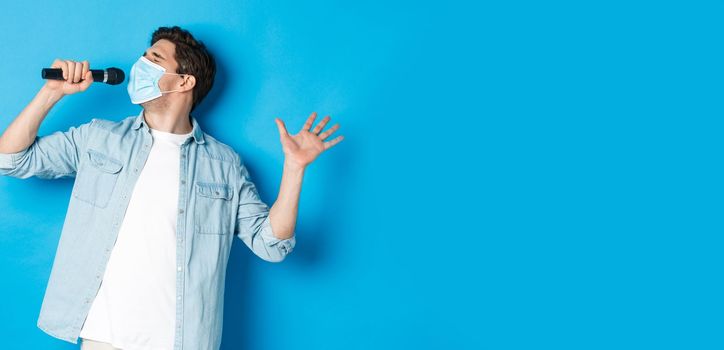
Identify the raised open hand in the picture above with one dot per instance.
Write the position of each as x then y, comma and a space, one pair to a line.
302, 148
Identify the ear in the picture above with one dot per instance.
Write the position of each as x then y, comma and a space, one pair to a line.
189, 81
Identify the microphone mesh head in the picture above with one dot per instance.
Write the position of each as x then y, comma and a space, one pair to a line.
115, 76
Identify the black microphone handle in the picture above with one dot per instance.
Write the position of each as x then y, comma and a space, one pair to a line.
99, 75
57, 74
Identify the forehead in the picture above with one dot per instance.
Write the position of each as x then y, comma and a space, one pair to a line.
165, 48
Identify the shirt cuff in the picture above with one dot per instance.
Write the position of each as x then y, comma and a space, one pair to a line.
10, 160
286, 245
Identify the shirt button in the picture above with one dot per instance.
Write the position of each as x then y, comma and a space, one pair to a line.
135, 170
179, 297
183, 182
181, 211
179, 268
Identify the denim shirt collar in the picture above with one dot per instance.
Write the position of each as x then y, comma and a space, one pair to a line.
196, 132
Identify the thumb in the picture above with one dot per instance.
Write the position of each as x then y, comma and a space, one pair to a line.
87, 80
282, 129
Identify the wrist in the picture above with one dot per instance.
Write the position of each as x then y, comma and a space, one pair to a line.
50, 95
291, 166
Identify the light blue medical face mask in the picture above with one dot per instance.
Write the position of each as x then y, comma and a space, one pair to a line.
143, 82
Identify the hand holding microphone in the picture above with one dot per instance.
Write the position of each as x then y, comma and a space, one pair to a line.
76, 77
69, 77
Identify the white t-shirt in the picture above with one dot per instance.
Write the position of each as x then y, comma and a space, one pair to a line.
135, 308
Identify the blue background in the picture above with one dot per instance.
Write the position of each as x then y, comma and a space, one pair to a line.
514, 175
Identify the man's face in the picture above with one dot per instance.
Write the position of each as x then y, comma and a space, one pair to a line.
163, 53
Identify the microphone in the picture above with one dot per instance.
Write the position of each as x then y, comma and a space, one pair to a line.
112, 76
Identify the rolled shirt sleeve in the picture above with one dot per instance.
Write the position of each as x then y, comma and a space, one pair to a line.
48, 157
253, 226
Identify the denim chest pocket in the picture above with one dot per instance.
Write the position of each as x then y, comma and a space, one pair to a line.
213, 208
96, 182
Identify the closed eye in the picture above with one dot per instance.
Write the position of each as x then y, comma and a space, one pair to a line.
155, 60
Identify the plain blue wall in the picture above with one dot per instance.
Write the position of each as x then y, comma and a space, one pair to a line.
527, 175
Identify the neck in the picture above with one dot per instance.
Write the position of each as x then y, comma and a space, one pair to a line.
173, 120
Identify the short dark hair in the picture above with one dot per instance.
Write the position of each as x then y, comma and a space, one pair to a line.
193, 58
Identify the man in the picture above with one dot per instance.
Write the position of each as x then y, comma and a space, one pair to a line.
156, 202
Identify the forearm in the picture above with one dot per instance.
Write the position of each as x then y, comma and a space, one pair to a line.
23, 130
283, 214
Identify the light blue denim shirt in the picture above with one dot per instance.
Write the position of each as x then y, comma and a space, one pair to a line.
216, 202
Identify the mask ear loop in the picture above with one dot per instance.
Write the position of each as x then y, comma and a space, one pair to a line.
163, 92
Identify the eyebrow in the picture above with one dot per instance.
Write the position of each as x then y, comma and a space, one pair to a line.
155, 54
